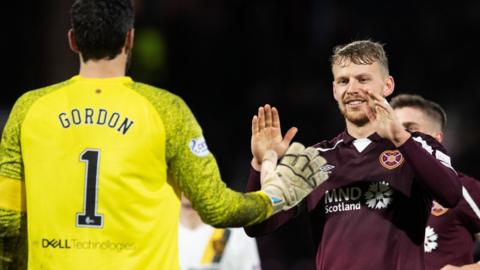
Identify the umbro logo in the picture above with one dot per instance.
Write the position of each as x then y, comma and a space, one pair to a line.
327, 168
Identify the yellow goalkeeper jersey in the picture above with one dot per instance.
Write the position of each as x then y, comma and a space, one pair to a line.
104, 161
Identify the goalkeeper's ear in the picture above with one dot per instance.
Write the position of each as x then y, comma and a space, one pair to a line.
269, 163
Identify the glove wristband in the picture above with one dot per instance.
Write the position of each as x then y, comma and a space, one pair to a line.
278, 203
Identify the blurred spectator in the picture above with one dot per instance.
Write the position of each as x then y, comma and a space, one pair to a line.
203, 247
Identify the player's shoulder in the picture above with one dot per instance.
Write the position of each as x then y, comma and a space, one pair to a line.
331, 144
158, 96
34, 94
153, 91
25, 101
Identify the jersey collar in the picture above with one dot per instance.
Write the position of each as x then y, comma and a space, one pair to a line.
122, 79
348, 139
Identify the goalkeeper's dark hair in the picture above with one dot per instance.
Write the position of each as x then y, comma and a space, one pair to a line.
100, 27
430, 108
360, 52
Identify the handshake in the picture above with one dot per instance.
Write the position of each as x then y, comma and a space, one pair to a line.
298, 173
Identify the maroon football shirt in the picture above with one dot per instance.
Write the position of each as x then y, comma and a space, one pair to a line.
449, 237
372, 211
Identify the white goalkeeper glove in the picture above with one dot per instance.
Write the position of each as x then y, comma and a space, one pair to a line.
298, 173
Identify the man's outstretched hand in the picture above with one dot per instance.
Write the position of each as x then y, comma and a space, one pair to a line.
267, 134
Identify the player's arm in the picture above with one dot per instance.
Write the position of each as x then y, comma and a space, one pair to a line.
426, 156
273, 222
196, 172
12, 189
432, 168
470, 204
13, 235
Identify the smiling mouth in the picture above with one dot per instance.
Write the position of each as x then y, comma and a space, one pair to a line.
354, 103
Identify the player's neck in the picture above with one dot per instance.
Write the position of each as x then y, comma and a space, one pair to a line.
360, 131
103, 68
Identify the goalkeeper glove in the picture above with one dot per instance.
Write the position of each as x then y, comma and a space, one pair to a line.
298, 173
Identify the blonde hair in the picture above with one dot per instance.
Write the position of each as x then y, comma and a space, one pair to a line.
361, 52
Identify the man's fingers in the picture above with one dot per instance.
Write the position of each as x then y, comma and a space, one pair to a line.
317, 163
291, 156
268, 115
376, 96
369, 111
255, 125
261, 118
289, 135
275, 118
381, 108
304, 158
295, 148
319, 177
379, 100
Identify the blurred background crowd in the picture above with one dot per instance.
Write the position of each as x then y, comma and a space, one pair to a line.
227, 57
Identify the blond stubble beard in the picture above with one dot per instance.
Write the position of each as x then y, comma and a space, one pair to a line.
359, 119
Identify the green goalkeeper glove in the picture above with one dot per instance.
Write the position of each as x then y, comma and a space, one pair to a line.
298, 173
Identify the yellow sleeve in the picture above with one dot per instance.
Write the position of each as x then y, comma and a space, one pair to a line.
10, 149
195, 171
198, 176
13, 240
13, 236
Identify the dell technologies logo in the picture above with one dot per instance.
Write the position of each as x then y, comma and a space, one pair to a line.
55, 243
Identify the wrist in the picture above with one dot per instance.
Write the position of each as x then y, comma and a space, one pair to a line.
256, 165
277, 201
401, 137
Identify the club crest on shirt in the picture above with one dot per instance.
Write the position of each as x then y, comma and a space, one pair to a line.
437, 209
198, 146
391, 159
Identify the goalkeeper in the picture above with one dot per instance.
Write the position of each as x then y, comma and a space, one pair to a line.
97, 162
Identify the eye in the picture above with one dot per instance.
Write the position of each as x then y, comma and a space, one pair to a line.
342, 81
363, 79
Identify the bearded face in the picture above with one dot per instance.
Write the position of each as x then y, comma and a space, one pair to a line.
351, 85
354, 108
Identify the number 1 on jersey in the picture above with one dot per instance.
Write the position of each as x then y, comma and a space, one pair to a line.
89, 217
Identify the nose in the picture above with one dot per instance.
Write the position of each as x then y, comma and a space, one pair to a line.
352, 87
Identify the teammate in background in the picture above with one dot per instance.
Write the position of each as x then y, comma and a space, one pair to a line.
202, 246
450, 234
98, 162
373, 210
